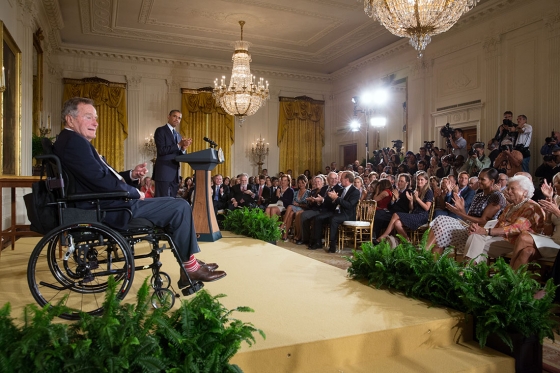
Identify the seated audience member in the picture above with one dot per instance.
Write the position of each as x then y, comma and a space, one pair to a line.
309, 177
440, 196
419, 203
532, 246
299, 203
283, 197
220, 194
263, 193
509, 160
241, 195
359, 184
92, 175
422, 165
275, 181
449, 231
227, 181
434, 168
319, 182
502, 182
321, 203
148, 188
474, 184
188, 190
445, 169
373, 176
464, 191
345, 203
383, 194
434, 183
546, 169
520, 214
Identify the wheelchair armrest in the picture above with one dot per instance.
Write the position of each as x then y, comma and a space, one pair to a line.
94, 196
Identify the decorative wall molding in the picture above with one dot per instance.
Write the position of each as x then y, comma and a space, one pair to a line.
176, 63
133, 81
54, 16
491, 44
552, 23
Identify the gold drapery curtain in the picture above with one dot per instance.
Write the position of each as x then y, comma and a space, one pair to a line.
301, 134
110, 103
202, 117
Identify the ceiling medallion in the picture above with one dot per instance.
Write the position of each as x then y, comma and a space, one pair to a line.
418, 20
244, 95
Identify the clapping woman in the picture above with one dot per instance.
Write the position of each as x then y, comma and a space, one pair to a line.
530, 246
420, 202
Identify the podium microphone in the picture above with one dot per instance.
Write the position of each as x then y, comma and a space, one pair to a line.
211, 142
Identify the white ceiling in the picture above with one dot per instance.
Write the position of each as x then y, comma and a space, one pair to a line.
319, 36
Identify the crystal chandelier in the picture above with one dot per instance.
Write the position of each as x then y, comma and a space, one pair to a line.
417, 19
244, 95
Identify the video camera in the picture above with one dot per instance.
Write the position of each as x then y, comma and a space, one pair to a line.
397, 144
428, 145
447, 131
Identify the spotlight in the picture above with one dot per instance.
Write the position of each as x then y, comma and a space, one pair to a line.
378, 121
354, 125
355, 100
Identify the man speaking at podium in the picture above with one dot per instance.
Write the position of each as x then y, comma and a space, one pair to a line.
169, 144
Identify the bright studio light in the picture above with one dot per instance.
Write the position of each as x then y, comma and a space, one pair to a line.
354, 125
378, 121
377, 97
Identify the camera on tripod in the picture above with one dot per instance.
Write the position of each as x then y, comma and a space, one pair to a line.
447, 131
397, 144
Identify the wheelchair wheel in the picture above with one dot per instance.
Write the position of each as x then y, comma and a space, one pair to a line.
90, 254
160, 281
163, 298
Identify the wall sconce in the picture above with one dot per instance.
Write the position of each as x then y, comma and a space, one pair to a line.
44, 131
3, 81
259, 150
150, 148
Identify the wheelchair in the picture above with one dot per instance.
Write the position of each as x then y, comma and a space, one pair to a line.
72, 263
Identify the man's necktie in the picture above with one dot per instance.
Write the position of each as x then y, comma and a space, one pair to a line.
260, 192
343, 194
216, 195
175, 137
110, 168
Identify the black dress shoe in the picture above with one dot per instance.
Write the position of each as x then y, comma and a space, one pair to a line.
375, 242
313, 247
211, 266
299, 242
202, 274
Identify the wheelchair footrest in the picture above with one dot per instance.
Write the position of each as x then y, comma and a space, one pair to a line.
190, 290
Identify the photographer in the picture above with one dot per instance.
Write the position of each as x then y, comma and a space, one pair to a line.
549, 144
458, 143
506, 129
524, 133
546, 169
509, 160
477, 160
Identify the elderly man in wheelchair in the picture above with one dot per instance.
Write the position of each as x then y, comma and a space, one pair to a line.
103, 217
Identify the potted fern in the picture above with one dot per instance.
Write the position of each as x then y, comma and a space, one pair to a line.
501, 300
254, 223
200, 336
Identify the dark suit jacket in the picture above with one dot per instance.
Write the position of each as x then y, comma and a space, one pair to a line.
347, 205
166, 168
328, 204
402, 204
91, 175
223, 198
266, 194
235, 192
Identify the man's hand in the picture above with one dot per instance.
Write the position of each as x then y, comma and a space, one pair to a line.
185, 143
139, 171
333, 195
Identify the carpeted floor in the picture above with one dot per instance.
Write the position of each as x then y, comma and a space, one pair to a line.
551, 349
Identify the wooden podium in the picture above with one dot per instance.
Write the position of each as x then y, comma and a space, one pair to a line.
205, 222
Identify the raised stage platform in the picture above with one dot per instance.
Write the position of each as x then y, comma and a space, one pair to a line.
315, 318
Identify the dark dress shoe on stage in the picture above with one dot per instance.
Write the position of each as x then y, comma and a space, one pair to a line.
313, 247
202, 274
330, 250
211, 266
299, 242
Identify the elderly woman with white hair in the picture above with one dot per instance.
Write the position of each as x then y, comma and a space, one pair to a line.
521, 214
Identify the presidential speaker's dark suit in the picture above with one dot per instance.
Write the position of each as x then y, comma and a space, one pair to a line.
166, 169
91, 175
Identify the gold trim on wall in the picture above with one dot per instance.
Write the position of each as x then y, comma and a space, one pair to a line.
38, 84
10, 105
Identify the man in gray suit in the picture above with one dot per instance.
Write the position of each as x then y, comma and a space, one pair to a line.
169, 144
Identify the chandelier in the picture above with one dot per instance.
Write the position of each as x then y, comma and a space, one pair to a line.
418, 20
244, 95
